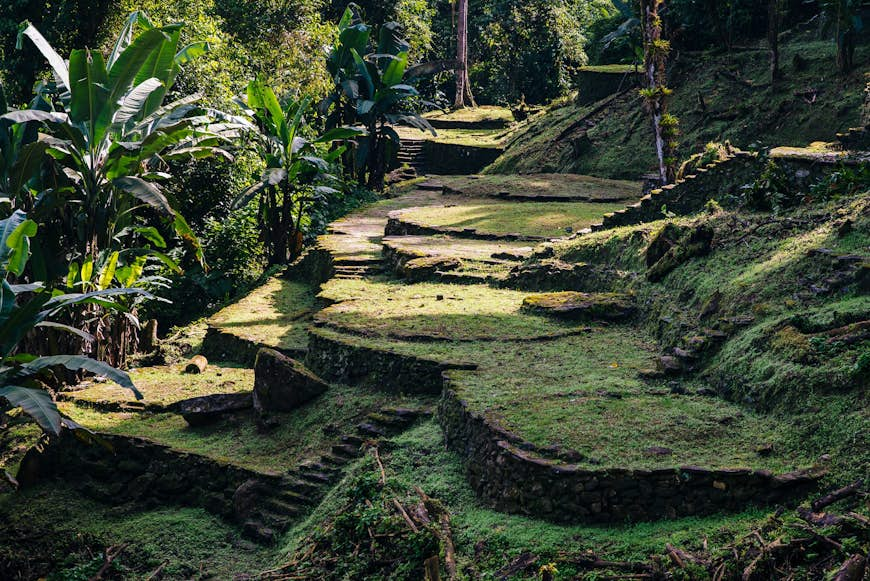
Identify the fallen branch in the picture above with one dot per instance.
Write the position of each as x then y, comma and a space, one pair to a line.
837, 495
819, 519
405, 516
383, 478
109, 557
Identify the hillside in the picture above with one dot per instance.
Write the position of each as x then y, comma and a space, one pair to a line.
716, 97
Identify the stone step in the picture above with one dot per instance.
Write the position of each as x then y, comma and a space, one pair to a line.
349, 451
371, 430
302, 487
277, 506
332, 460
352, 440
319, 478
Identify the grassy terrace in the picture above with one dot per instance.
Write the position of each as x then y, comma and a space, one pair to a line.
276, 315
583, 393
165, 385
554, 186
473, 115
433, 311
310, 429
476, 137
463, 248
549, 219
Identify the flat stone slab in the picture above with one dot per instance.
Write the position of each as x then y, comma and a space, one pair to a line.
207, 409
582, 306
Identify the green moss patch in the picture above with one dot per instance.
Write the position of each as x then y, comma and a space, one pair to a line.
543, 187
581, 306
164, 385
275, 315
542, 219
432, 311
610, 69
311, 429
52, 531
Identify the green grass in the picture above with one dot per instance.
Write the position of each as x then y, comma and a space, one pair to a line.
53, 530
551, 185
236, 440
395, 309
167, 384
276, 315
473, 114
548, 219
583, 393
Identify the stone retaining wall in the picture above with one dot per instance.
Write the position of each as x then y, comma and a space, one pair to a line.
141, 471
219, 345
398, 226
454, 159
345, 362
511, 479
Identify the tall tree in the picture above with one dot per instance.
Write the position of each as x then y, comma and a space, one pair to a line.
463, 85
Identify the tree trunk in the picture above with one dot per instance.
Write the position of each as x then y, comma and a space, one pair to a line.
654, 69
773, 24
463, 85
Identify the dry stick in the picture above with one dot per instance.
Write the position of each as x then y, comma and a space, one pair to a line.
112, 553
449, 549
405, 516
838, 494
820, 537
158, 572
383, 479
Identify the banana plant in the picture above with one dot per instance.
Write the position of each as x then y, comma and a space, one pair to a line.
109, 144
26, 307
113, 136
373, 90
296, 174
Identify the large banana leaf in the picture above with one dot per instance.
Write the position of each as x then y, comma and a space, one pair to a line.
144, 191
57, 64
36, 403
77, 362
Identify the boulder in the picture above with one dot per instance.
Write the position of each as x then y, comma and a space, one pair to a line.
426, 268
582, 306
200, 411
283, 384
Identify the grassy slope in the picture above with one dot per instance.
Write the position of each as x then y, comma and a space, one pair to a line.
551, 185
759, 114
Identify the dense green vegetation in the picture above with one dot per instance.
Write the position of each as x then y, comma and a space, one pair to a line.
245, 332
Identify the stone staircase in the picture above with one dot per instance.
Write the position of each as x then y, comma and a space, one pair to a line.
357, 269
855, 139
269, 509
413, 153
688, 195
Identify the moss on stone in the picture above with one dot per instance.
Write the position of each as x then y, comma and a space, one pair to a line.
581, 306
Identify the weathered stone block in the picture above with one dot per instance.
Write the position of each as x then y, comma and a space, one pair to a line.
283, 384
200, 411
